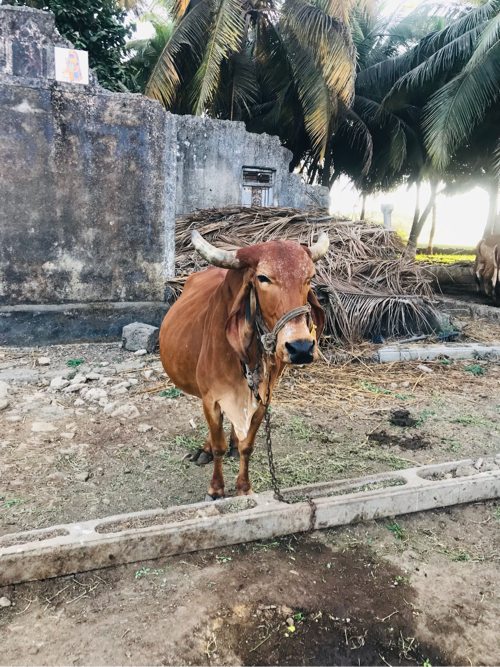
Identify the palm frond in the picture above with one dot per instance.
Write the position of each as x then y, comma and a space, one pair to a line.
455, 110
190, 31
226, 33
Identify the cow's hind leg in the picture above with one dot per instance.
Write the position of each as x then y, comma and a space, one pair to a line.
243, 486
213, 415
203, 455
233, 451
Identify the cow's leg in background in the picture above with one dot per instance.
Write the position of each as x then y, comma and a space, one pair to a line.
245, 447
203, 455
213, 415
234, 451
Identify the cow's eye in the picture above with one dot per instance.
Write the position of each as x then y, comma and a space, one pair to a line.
263, 279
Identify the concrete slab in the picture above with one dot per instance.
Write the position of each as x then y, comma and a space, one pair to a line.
79, 547
392, 353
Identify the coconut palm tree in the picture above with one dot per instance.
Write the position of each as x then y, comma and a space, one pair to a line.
289, 63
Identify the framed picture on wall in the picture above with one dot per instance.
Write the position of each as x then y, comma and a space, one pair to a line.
72, 65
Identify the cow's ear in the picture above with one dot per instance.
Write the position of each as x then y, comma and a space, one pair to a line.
317, 314
240, 325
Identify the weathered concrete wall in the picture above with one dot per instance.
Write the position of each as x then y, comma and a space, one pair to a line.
211, 155
86, 184
90, 182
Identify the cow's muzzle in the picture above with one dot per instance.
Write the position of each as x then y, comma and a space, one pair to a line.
301, 351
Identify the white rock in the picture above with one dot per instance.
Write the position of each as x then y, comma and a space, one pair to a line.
129, 411
59, 383
78, 402
82, 476
69, 435
4, 403
104, 363
148, 374
103, 401
133, 381
72, 388
43, 361
79, 379
144, 428
105, 381
43, 427
4, 389
425, 369
84, 391
5, 602
80, 412
140, 353
119, 391
95, 394
93, 376
109, 407
125, 384
13, 418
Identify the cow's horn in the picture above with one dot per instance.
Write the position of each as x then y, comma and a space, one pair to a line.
320, 248
226, 259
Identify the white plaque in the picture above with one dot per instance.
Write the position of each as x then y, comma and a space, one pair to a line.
72, 66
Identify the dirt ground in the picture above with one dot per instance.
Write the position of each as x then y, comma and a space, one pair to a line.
124, 448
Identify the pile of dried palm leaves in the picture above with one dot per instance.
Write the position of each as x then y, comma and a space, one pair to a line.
364, 282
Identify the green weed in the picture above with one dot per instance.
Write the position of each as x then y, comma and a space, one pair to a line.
470, 420
74, 363
14, 501
299, 430
475, 370
397, 531
173, 392
423, 416
377, 390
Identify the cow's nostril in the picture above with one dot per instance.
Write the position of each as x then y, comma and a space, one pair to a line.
301, 351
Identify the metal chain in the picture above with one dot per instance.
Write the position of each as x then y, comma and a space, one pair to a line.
272, 468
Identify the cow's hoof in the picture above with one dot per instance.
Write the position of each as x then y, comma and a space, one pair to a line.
201, 457
234, 453
210, 499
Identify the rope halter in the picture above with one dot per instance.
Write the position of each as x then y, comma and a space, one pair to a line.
269, 339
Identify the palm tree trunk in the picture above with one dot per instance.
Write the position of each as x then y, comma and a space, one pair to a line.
416, 214
363, 207
430, 247
325, 178
418, 225
492, 226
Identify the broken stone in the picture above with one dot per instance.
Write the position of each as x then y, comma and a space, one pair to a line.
148, 374
139, 336
119, 391
73, 388
4, 389
78, 402
129, 411
109, 407
59, 383
57, 477
424, 369
68, 436
465, 471
13, 418
82, 476
93, 376
4, 403
5, 602
133, 381
95, 394
103, 401
43, 427
79, 379
140, 353
144, 428
43, 361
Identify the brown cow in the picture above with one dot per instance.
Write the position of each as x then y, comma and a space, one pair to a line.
486, 270
219, 341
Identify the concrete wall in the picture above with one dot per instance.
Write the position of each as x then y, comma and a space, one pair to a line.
86, 182
90, 183
211, 155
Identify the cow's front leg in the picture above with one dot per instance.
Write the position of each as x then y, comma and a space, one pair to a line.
245, 447
213, 415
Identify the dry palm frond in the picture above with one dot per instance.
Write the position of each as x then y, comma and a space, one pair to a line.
364, 282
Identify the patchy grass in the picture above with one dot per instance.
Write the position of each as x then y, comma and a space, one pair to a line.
444, 259
397, 531
475, 370
171, 393
74, 363
470, 420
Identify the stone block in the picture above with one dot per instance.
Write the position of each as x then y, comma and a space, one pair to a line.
139, 336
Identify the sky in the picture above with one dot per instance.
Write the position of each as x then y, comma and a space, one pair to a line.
460, 219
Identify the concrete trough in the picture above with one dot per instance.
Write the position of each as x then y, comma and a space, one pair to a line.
392, 353
129, 538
